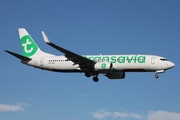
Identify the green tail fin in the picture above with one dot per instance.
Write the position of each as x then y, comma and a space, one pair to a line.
29, 46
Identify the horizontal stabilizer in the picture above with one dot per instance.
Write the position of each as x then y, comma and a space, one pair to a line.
18, 56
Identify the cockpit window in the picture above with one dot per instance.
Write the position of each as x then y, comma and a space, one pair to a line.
163, 59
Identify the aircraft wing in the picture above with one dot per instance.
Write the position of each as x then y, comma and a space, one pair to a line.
83, 62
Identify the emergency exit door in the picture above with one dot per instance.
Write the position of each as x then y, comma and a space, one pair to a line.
41, 61
153, 60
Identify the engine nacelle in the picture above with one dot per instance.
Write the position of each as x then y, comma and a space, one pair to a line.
116, 75
103, 66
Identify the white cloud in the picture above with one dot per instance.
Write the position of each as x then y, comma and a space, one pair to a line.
103, 114
151, 115
163, 115
8, 108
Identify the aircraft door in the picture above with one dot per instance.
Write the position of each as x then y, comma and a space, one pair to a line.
153, 60
41, 61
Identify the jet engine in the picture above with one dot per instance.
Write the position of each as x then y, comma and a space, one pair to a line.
116, 75
103, 66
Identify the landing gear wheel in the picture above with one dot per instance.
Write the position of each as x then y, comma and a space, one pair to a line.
87, 74
95, 79
156, 76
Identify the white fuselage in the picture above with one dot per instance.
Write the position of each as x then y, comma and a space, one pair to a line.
126, 63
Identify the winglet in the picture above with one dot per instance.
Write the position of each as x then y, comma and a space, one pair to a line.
45, 37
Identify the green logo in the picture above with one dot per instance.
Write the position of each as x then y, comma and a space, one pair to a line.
103, 65
29, 47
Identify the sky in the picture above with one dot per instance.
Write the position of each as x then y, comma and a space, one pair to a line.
90, 27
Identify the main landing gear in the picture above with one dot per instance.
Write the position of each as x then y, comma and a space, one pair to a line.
95, 78
87, 74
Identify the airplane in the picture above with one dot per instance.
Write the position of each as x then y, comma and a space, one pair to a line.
112, 66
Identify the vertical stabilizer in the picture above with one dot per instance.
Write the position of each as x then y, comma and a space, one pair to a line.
29, 47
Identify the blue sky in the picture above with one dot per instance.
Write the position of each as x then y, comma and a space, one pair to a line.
90, 27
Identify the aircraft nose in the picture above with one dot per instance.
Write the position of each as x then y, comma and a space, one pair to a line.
171, 64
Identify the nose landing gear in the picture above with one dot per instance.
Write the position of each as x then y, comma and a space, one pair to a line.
159, 71
156, 76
